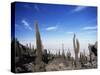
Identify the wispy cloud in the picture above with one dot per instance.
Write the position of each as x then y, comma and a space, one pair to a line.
93, 31
89, 28
37, 8
70, 32
26, 24
78, 9
51, 28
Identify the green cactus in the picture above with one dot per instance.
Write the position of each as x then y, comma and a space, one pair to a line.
76, 49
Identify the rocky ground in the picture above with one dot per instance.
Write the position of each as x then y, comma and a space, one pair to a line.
25, 61
57, 64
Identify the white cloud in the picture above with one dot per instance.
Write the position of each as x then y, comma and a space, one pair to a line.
36, 7
89, 28
93, 31
79, 8
51, 28
26, 24
70, 32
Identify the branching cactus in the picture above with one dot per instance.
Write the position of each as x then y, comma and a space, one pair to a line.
76, 49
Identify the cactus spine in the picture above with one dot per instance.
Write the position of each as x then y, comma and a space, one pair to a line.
76, 49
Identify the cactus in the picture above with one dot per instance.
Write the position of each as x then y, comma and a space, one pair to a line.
27, 45
49, 52
45, 56
63, 54
68, 55
38, 44
96, 45
81, 59
59, 53
33, 48
76, 49
55, 54
30, 45
39, 64
90, 53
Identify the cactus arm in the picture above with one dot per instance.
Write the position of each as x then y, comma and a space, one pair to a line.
76, 49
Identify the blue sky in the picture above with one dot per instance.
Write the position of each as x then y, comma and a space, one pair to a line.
57, 24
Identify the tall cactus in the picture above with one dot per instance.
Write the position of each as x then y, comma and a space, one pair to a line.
38, 44
90, 53
76, 49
